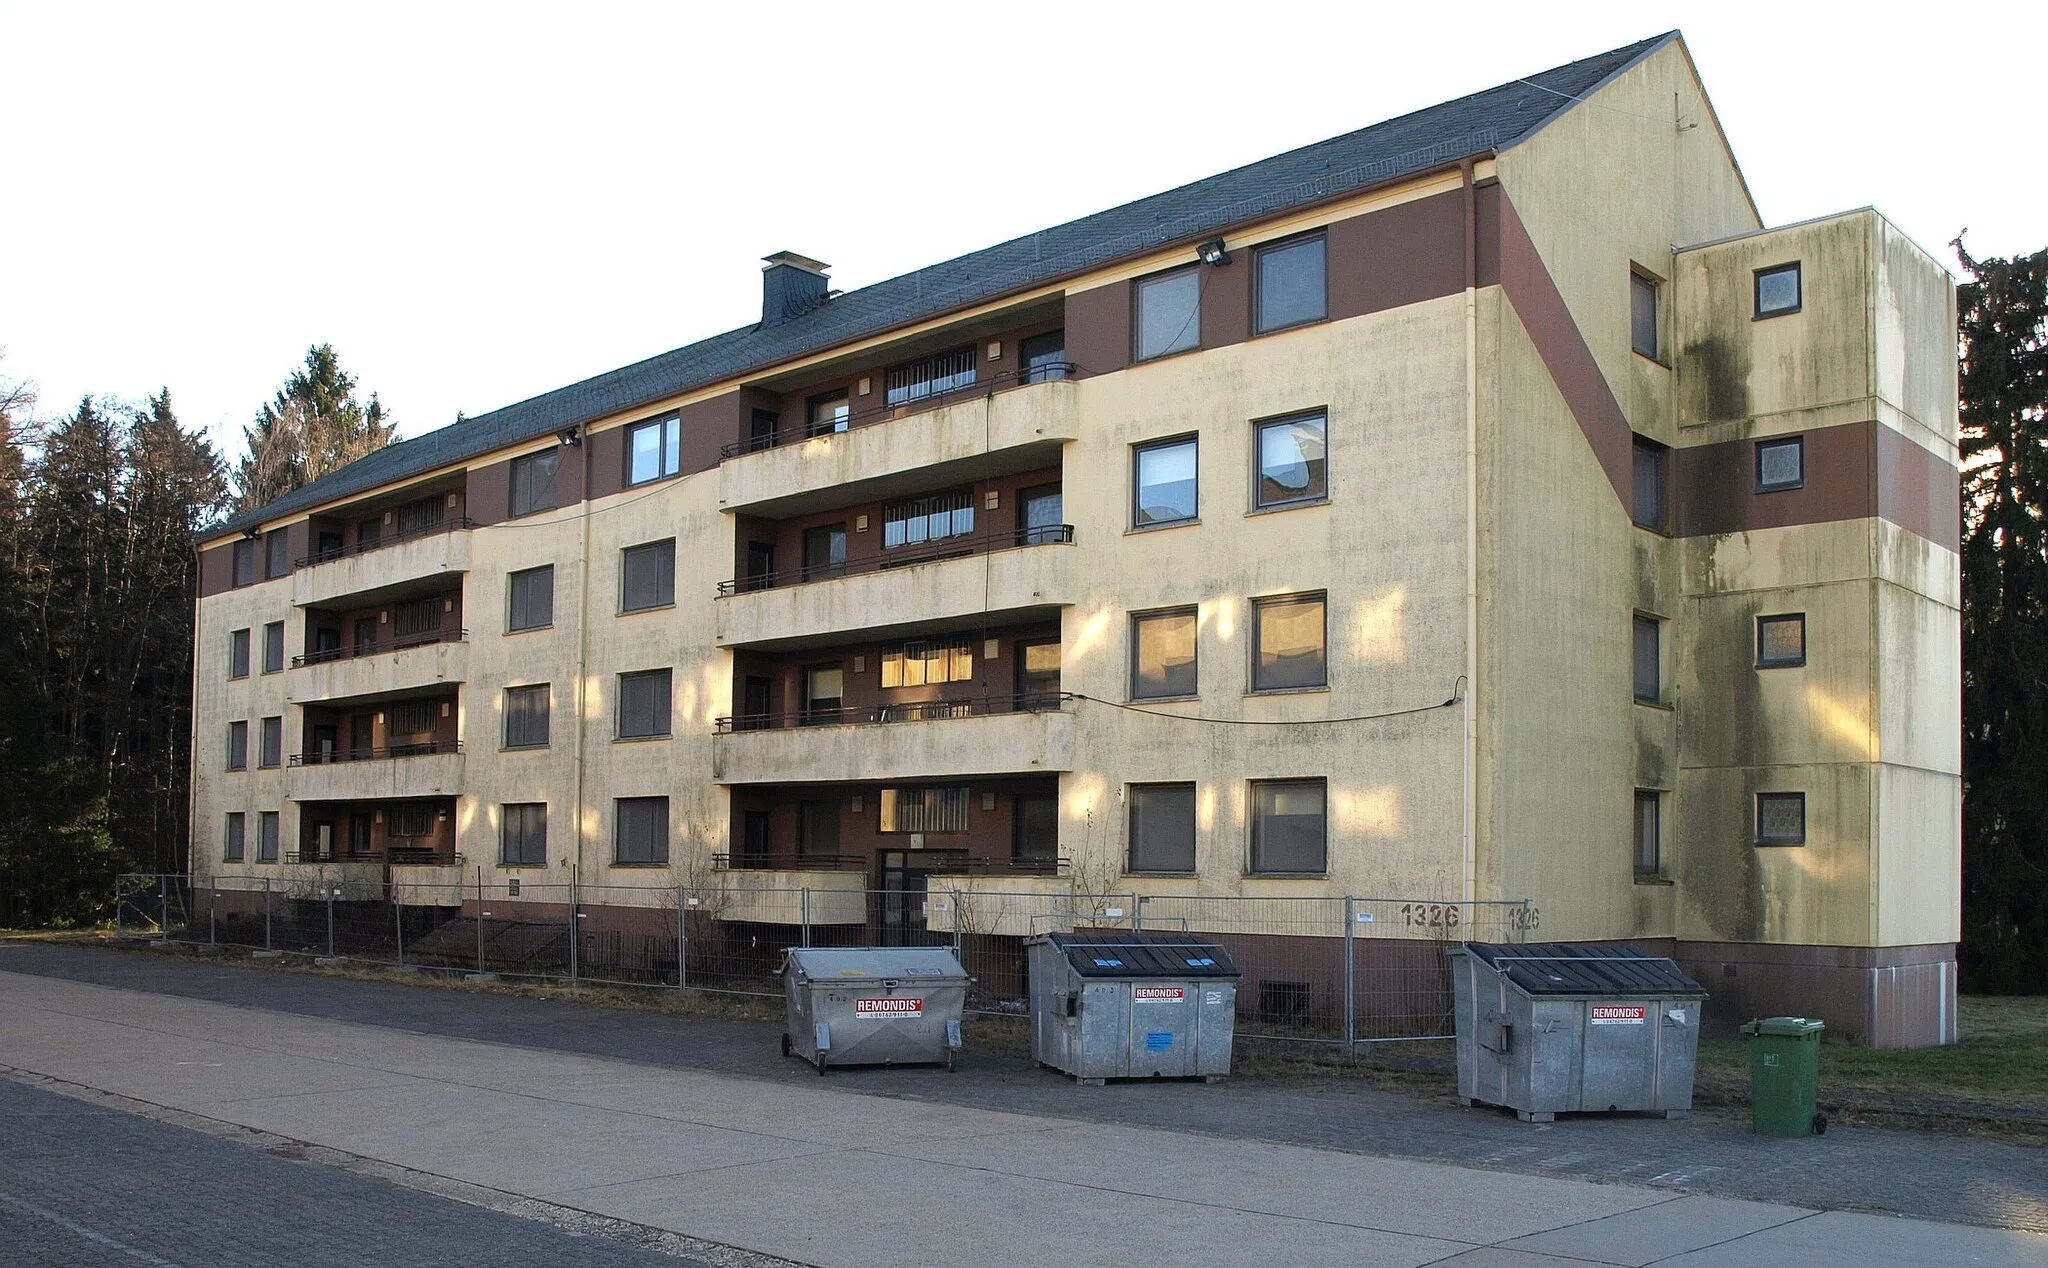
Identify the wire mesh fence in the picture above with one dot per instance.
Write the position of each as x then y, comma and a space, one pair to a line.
1333, 971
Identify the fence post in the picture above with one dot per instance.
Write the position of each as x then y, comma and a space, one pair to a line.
575, 932
1350, 978
213, 912
330, 890
120, 904
266, 913
807, 916
682, 940
398, 917
1134, 913
479, 918
1138, 915
163, 909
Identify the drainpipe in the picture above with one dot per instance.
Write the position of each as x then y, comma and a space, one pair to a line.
1468, 807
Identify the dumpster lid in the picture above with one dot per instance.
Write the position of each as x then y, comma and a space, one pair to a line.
1796, 1027
1585, 968
1127, 953
874, 964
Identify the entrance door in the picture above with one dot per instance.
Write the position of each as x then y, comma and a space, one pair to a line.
326, 744
1041, 516
905, 876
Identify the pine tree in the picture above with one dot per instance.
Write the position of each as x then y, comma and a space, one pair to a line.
314, 425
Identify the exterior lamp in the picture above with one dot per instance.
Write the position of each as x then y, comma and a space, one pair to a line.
1212, 253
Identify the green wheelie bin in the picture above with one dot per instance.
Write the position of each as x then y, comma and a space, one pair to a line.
1784, 1076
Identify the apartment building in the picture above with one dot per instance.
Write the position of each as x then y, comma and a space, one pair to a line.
1481, 505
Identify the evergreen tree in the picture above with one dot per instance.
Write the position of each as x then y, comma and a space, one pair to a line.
2003, 320
314, 425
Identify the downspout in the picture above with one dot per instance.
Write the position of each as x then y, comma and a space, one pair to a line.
1468, 809
582, 649
192, 726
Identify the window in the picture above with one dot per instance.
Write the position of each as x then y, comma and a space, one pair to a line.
277, 552
1162, 828
1035, 835
533, 482
238, 833
1288, 828
928, 519
1289, 455
1649, 660
1781, 640
238, 654
526, 834
1288, 284
526, 716
412, 820
647, 576
1287, 639
1781, 818
1642, 314
238, 746
1163, 654
413, 718
643, 704
273, 647
826, 414
416, 620
640, 834
1043, 358
245, 562
1780, 464
1169, 313
824, 552
530, 599
818, 829
925, 663
824, 694
1778, 290
1163, 485
930, 377
654, 450
266, 836
1647, 504
1649, 833
270, 747
924, 810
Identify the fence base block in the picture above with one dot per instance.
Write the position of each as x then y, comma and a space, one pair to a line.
480, 977
329, 961
267, 955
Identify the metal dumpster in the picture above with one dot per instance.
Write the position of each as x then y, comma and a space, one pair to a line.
1114, 1004
873, 1005
1562, 1027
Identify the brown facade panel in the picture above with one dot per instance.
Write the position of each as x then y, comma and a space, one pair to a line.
1227, 301
1715, 485
708, 426
605, 451
1918, 491
216, 569
1099, 328
490, 491
1403, 255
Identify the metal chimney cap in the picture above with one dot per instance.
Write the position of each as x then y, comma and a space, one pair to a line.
791, 258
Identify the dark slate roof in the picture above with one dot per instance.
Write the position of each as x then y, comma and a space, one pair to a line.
1481, 123
1585, 968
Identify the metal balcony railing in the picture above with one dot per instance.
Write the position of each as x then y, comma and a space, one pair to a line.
356, 651
420, 748
394, 856
455, 524
885, 714
1057, 371
905, 557
773, 862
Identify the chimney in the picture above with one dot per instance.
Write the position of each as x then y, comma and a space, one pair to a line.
791, 284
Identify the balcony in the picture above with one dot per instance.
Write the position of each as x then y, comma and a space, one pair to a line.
360, 575
1009, 575
370, 671
351, 877
823, 895
970, 433
932, 740
430, 769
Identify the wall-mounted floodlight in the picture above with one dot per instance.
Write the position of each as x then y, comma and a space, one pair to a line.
571, 435
1212, 253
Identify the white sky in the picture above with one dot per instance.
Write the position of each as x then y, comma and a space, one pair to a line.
475, 204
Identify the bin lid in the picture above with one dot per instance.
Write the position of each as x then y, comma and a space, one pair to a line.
853, 965
1796, 1027
1127, 953
1584, 968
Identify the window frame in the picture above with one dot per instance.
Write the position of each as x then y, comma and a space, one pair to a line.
1659, 455
1653, 798
1639, 281
238, 741
1259, 255
269, 836
512, 599
619, 805
1193, 613
1138, 288
242, 564
1640, 621
626, 554
1320, 414
277, 554
524, 465
1780, 662
891, 799
269, 754
1138, 451
234, 847
1778, 442
239, 642
525, 834
1134, 794
668, 455
1758, 815
544, 692
1252, 822
665, 718
944, 650
899, 390
1797, 269
273, 643
1259, 607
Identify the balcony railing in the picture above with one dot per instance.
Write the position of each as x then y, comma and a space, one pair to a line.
905, 557
1053, 372
884, 714
420, 749
394, 856
859, 863
452, 525
355, 651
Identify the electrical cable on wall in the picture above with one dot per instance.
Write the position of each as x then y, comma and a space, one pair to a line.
1457, 697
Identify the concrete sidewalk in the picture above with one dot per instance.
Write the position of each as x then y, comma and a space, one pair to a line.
828, 1177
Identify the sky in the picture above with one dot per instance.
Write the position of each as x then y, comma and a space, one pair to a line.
478, 203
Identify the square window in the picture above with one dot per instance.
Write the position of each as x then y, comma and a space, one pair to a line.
238, 832
533, 482
273, 647
1781, 818
824, 695
1162, 828
238, 654
932, 376
1649, 833
412, 820
640, 831
1290, 455
1288, 280
1287, 643
412, 723
530, 601
1778, 290
647, 576
270, 750
526, 716
1163, 483
238, 746
654, 450
1781, 640
1642, 314
923, 810
1043, 358
644, 705
525, 834
277, 552
1168, 313
1649, 660
1647, 505
826, 414
1289, 828
824, 552
1163, 654
245, 562
1780, 464
266, 836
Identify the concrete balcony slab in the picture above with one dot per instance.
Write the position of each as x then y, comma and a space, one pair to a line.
936, 748
358, 580
380, 778
385, 674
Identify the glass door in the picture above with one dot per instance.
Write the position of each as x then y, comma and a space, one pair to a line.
1038, 674
1041, 513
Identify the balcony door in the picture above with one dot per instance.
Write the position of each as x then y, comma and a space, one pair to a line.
760, 565
362, 736
323, 840
1038, 674
366, 635
754, 839
824, 694
359, 834
326, 644
1041, 515
757, 703
824, 552
326, 744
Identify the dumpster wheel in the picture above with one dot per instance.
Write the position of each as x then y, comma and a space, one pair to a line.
785, 1043
1820, 1124
952, 1061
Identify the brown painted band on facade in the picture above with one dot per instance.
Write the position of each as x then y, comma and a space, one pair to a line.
1853, 471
